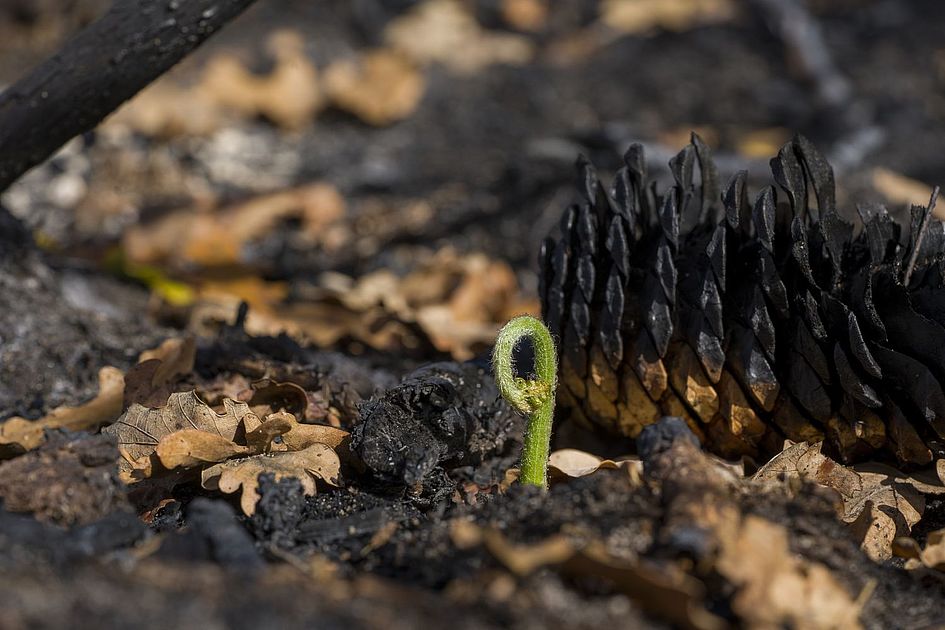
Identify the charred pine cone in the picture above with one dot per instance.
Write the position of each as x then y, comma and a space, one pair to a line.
755, 322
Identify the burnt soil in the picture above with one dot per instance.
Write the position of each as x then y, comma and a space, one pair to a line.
434, 438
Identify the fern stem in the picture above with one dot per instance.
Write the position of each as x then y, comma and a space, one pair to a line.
534, 397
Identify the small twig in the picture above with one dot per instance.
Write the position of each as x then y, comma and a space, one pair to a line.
803, 38
533, 397
920, 237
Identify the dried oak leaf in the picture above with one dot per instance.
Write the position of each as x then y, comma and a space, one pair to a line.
318, 461
300, 436
878, 502
18, 435
190, 448
140, 429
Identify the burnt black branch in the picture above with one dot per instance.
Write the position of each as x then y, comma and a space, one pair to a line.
131, 45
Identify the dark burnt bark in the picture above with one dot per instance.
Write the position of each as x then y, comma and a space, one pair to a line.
131, 45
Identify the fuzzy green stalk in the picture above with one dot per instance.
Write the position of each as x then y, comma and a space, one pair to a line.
536, 398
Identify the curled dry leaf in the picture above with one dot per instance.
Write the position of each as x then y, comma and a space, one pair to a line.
444, 31
267, 396
259, 440
570, 463
879, 503
140, 429
318, 461
18, 435
380, 87
155, 369
148, 383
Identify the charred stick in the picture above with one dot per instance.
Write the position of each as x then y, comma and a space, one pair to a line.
131, 45
926, 217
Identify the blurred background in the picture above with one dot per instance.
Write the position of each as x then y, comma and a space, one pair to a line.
377, 176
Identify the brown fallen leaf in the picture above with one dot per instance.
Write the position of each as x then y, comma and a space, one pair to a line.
760, 143
643, 16
451, 301
523, 560
380, 87
140, 429
774, 585
267, 396
18, 435
301, 436
879, 503
930, 557
318, 461
525, 15
189, 448
216, 238
777, 588
664, 591
444, 31
570, 463
289, 95
899, 189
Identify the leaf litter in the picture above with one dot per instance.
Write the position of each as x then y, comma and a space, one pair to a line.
625, 533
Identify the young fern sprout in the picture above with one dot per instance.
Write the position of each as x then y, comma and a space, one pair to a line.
535, 398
